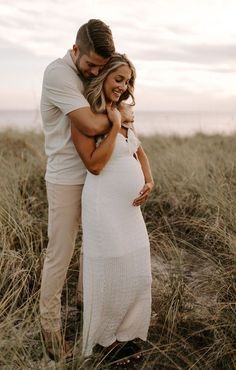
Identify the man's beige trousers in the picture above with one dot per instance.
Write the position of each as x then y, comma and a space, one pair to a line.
64, 214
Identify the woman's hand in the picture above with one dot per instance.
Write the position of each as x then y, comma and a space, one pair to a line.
114, 116
144, 193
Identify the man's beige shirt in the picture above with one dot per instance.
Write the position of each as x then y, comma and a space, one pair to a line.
62, 93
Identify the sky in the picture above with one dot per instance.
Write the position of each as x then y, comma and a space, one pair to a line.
184, 50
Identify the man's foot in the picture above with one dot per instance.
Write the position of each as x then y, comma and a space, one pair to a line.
56, 347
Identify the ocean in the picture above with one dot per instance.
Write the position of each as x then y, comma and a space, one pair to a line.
146, 123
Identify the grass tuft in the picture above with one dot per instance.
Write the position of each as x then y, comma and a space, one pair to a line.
192, 226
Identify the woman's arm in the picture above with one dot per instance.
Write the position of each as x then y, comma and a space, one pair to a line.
149, 183
95, 158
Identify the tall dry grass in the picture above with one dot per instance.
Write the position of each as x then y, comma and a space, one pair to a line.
191, 221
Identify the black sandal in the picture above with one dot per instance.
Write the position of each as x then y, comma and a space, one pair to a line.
131, 352
136, 349
123, 353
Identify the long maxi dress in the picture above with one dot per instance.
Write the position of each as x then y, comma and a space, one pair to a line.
116, 264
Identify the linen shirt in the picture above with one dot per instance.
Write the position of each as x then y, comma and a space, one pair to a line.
62, 93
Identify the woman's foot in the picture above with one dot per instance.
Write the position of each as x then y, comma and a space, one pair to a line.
130, 352
123, 353
113, 353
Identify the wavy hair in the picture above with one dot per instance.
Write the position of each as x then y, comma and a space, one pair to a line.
94, 91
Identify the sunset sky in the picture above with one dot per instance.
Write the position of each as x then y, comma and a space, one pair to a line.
184, 50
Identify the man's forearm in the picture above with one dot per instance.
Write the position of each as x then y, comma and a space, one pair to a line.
89, 123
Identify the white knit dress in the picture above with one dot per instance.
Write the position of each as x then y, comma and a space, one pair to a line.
116, 264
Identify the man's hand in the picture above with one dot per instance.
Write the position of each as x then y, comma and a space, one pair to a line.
126, 111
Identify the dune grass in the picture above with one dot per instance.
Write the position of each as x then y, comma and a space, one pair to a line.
191, 219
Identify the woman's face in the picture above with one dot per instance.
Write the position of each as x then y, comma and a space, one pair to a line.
116, 83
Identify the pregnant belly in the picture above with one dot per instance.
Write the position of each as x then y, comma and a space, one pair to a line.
112, 226
120, 181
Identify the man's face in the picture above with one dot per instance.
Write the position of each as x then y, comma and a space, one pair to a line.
88, 65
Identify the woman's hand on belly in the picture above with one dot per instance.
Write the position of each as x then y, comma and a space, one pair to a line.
144, 193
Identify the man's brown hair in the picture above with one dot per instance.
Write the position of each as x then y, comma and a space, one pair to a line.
95, 36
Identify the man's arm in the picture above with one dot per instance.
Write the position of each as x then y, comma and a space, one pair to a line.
89, 123
93, 124
95, 158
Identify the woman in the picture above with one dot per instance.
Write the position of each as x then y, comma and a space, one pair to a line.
116, 265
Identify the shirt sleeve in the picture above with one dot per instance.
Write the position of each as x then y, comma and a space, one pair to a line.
64, 89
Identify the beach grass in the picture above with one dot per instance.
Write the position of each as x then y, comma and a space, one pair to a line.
191, 220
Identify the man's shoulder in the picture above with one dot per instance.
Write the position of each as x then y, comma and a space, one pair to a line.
59, 64
59, 72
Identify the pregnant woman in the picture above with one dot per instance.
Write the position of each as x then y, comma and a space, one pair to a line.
116, 251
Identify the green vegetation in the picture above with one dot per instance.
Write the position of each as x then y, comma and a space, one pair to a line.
191, 218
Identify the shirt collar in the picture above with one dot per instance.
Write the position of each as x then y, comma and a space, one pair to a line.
67, 58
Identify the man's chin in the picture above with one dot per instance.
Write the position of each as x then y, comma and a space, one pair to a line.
82, 75
89, 77
85, 77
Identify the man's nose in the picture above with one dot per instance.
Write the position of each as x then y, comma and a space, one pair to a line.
95, 71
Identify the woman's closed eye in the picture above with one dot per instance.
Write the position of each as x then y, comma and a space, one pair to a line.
126, 82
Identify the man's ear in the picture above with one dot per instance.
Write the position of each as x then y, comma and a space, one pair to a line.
76, 49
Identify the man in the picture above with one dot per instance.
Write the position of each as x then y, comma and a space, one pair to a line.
63, 104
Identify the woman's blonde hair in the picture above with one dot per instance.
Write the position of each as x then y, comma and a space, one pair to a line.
94, 88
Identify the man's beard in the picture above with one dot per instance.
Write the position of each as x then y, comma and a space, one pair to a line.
84, 78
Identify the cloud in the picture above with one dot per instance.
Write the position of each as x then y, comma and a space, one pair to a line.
50, 28
13, 52
17, 55
195, 53
183, 99
182, 50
